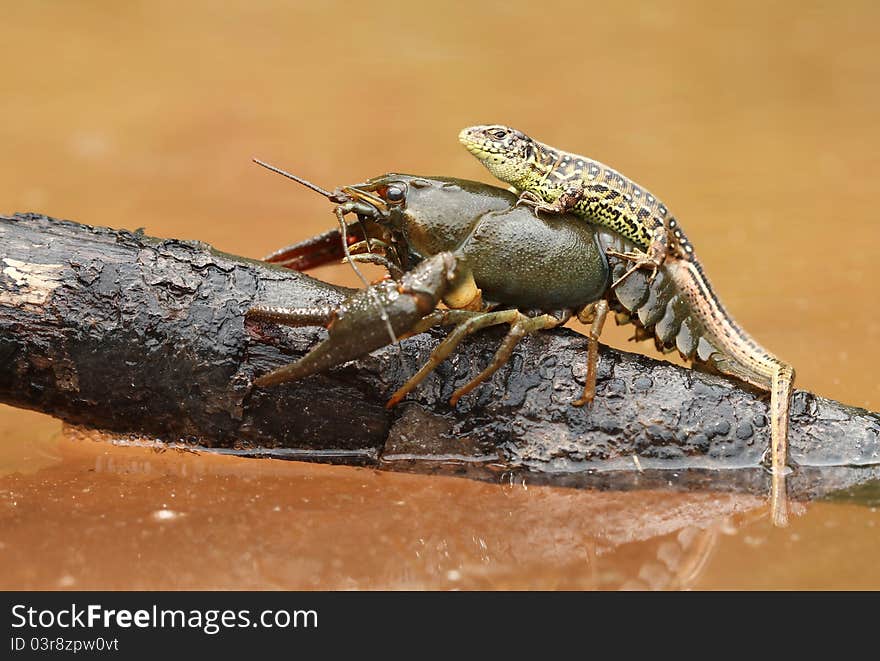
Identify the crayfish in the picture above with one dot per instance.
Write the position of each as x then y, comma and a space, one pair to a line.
490, 262
460, 242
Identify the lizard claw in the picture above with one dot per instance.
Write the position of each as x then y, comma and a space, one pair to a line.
639, 259
529, 199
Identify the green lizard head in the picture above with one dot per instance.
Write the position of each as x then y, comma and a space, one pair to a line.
507, 153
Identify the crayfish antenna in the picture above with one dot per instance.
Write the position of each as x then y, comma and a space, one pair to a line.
305, 182
339, 199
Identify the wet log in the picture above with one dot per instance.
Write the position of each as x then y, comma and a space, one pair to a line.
143, 336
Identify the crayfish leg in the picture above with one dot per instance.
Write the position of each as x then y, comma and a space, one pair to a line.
599, 312
437, 318
520, 326
379, 260
470, 323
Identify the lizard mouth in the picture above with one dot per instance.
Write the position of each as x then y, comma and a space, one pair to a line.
464, 137
473, 145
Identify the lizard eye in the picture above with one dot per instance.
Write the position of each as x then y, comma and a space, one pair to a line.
499, 134
394, 194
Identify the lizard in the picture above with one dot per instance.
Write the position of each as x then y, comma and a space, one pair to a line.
555, 181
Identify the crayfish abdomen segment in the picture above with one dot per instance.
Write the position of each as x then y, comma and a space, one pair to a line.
660, 311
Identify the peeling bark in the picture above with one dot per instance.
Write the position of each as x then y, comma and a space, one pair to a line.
137, 335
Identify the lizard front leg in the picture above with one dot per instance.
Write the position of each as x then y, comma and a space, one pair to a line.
576, 192
572, 194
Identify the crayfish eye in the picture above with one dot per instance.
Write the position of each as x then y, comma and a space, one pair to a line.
394, 194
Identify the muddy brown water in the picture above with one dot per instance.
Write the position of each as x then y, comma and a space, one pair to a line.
756, 125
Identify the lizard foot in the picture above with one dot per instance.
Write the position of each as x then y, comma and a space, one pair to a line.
640, 260
529, 199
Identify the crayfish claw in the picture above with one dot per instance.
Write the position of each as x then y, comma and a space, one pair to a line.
358, 323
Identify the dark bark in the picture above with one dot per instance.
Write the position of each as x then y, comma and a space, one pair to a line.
137, 335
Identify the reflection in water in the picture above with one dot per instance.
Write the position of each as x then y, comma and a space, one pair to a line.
28, 441
105, 516
176, 519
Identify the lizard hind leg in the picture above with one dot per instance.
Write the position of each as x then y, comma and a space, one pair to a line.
652, 259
